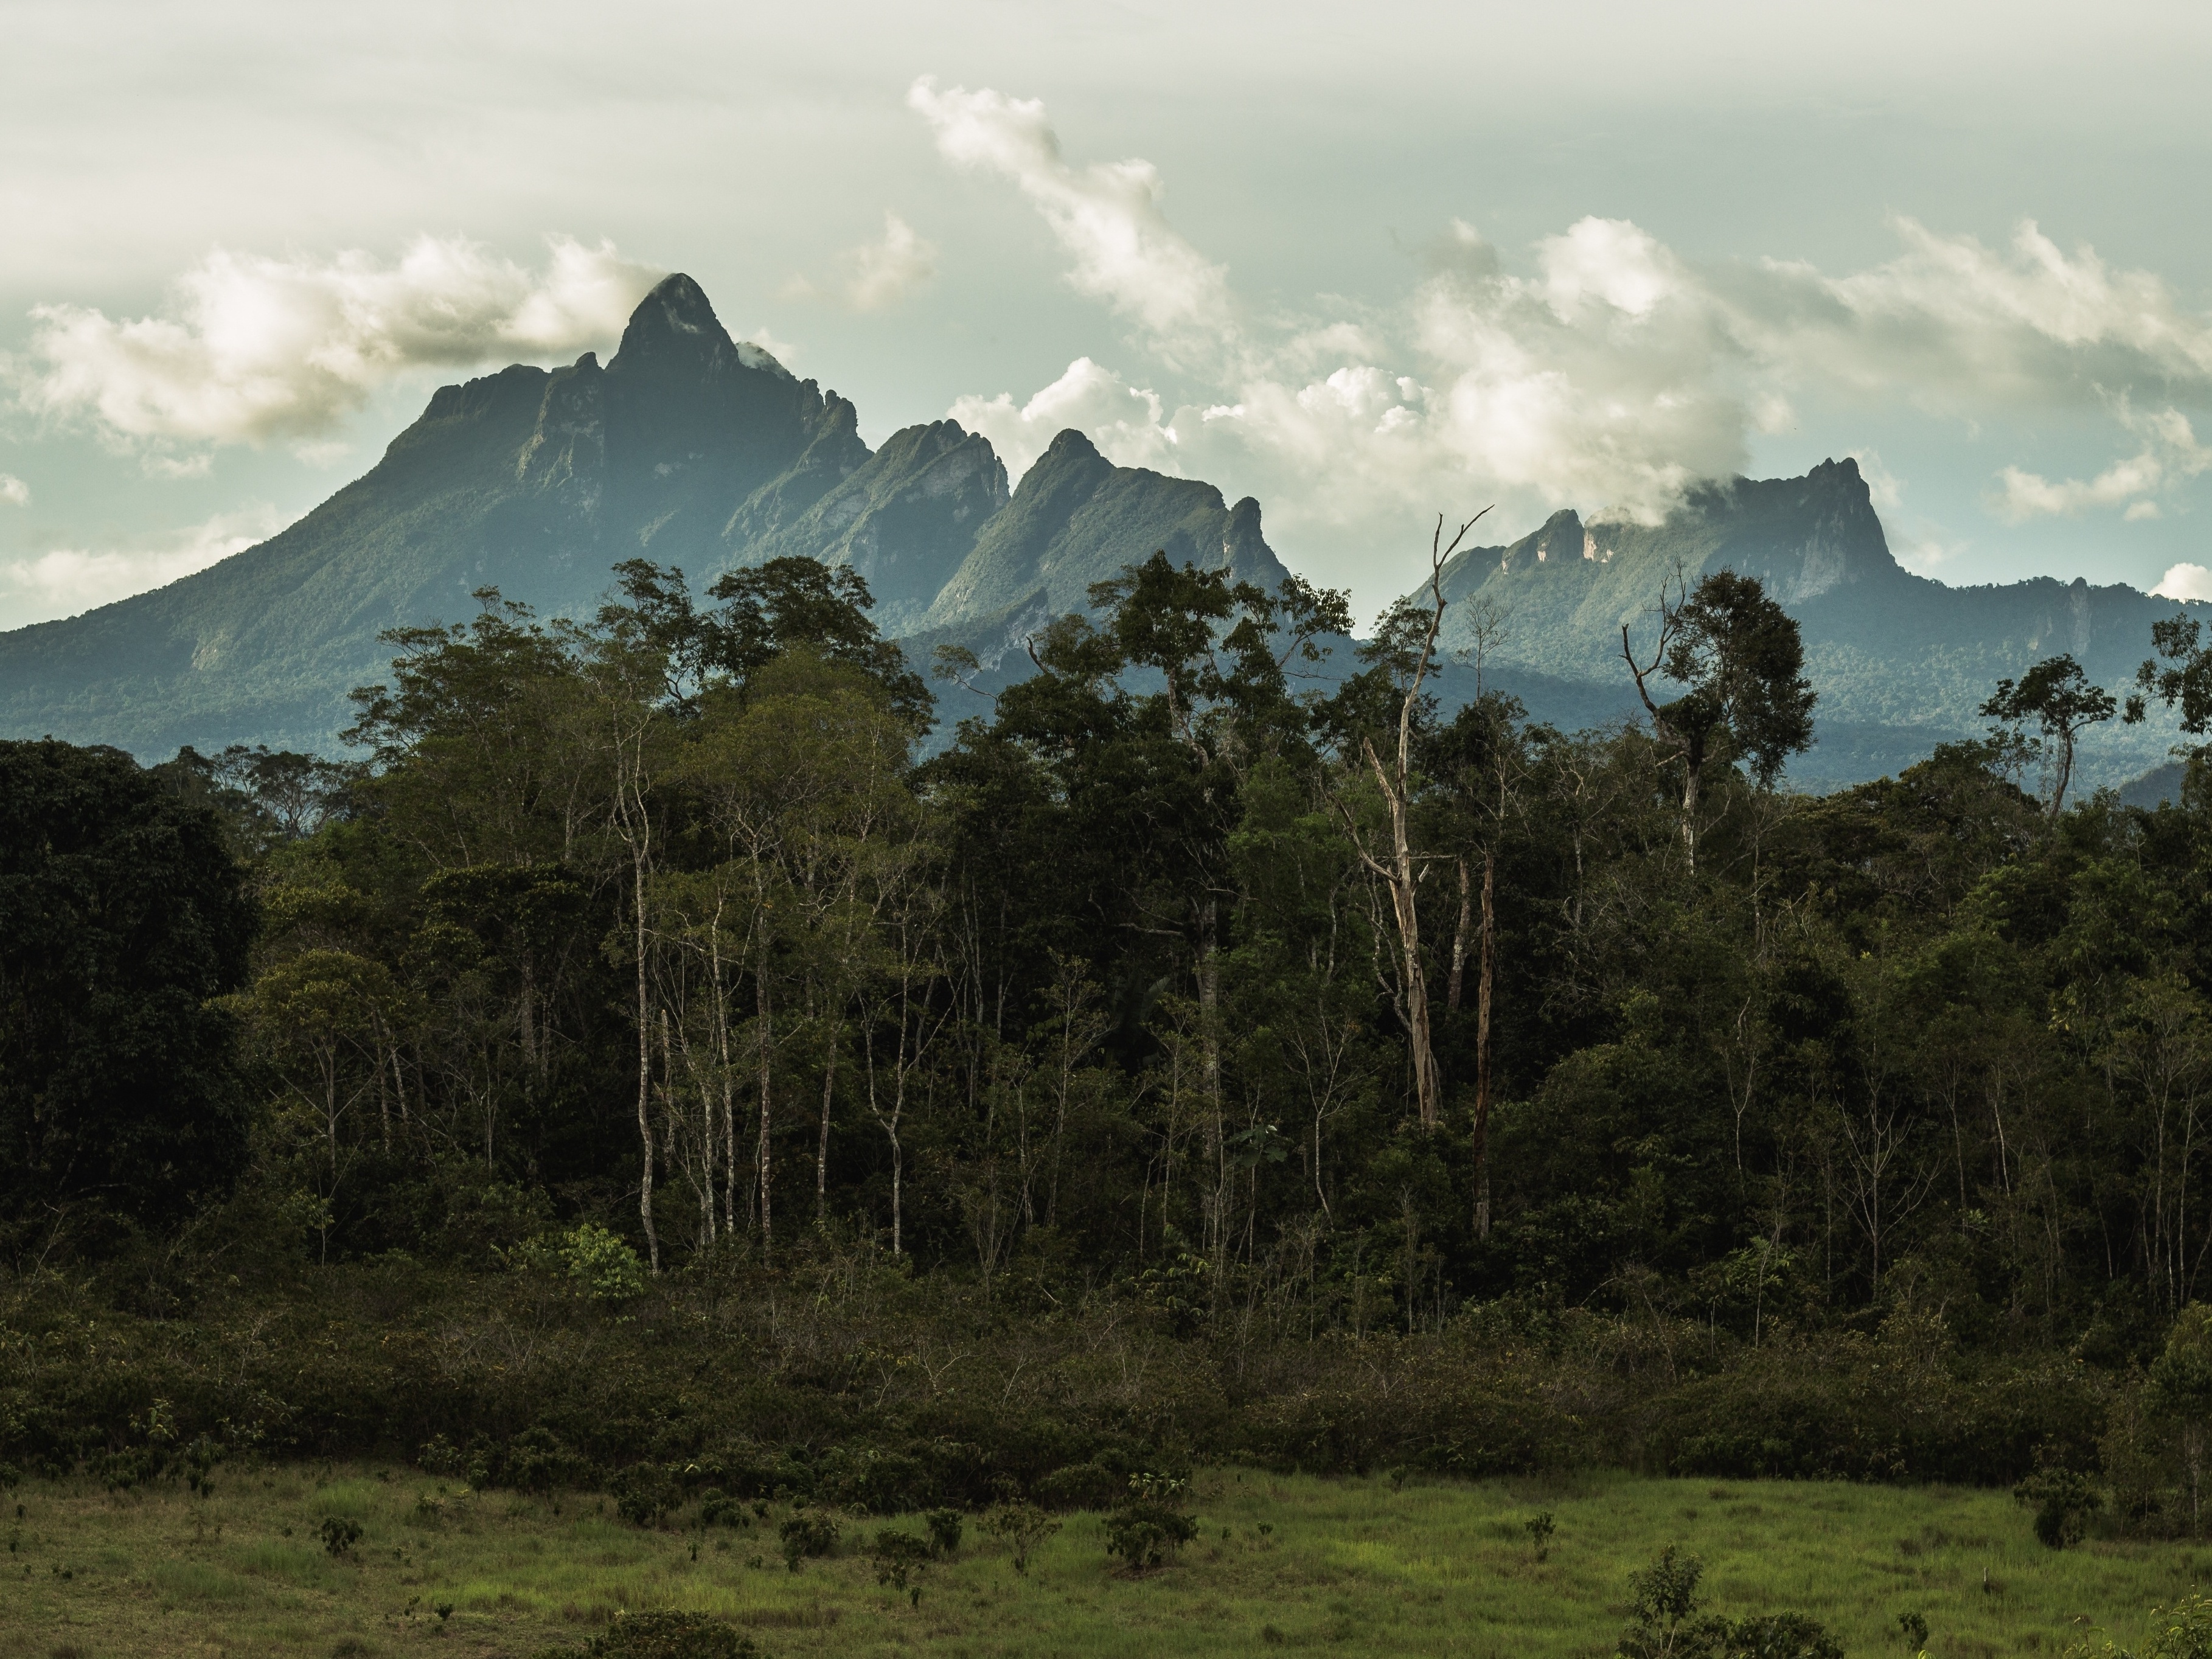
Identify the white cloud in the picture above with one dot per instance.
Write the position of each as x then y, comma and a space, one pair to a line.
66, 581
877, 274
2170, 454
1607, 376
1107, 215
252, 347
1123, 420
14, 491
2185, 581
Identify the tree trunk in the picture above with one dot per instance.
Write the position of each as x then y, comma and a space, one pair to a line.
822, 1145
1400, 878
1485, 981
644, 1066
1459, 940
768, 1223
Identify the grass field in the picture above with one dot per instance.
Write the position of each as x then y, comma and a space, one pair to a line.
1352, 1566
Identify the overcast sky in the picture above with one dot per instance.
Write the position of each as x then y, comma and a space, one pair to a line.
1371, 264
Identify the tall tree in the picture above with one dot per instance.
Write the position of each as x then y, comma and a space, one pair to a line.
1740, 654
123, 918
2057, 697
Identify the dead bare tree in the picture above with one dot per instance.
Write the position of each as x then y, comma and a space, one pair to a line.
1402, 872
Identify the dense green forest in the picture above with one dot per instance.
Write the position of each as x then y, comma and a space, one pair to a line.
642, 1060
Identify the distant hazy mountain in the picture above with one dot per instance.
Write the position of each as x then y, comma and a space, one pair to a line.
688, 448
692, 449
1901, 662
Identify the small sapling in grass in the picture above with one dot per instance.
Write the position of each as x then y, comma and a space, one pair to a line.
1540, 1528
899, 1557
1022, 1525
444, 1610
945, 1526
1151, 1525
1913, 1627
806, 1535
339, 1536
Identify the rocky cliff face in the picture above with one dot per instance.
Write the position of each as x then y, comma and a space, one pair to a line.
688, 448
1900, 663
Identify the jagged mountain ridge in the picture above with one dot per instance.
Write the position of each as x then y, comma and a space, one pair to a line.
1901, 662
687, 448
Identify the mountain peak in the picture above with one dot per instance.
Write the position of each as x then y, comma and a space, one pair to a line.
674, 329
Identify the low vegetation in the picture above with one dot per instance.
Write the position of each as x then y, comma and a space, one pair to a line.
1382, 1566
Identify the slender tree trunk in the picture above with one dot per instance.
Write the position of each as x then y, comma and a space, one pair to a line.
644, 1066
1485, 983
768, 1223
1459, 940
1401, 877
822, 1145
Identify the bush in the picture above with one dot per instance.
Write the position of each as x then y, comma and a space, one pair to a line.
1151, 1525
645, 1492
662, 1636
808, 1534
2061, 1500
340, 1535
601, 1265
945, 1529
1664, 1601
899, 1557
1023, 1526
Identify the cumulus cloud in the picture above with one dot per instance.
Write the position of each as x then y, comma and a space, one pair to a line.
876, 275
14, 492
1106, 216
1607, 373
65, 580
252, 347
2185, 581
2170, 454
1123, 420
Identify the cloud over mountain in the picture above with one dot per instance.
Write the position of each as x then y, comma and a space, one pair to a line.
1610, 370
252, 348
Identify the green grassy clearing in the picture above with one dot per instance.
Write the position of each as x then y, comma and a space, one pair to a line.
1351, 1566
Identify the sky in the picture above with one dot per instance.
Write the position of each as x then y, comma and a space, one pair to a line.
1372, 264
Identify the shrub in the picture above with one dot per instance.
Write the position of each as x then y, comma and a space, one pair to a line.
806, 1535
945, 1529
1151, 1525
645, 1492
604, 1268
340, 1535
2061, 1499
1540, 1528
662, 1636
899, 1557
1913, 1626
1023, 1526
1663, 1599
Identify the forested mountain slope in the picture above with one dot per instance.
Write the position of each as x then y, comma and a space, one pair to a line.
688, 448
1901, 662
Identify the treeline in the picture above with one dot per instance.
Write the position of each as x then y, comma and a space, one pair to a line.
1198, 974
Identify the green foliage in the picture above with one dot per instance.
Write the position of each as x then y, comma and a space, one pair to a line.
122, 921
1022, 1526
945, 1529
898, 1558
1664, 1605
2183, 1631
1151, 1523
2061, 1499
806, 1535
1540, 1528
339, 1534
605, 1266
663, 1635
